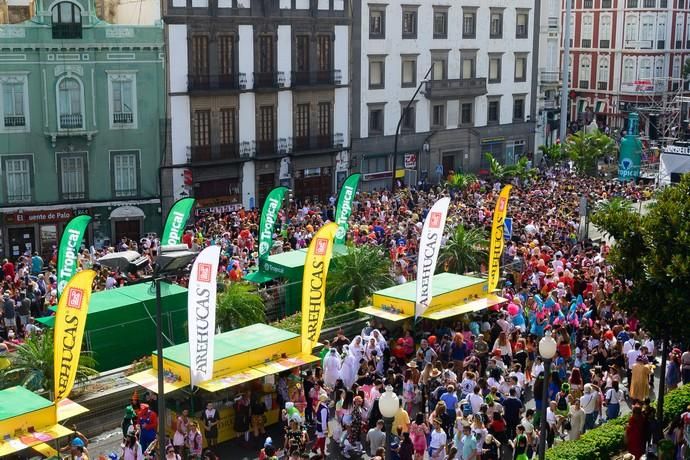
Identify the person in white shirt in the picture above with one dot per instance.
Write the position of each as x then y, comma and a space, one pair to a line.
629, 345
438, 441
631, 359
589, 402
475, 400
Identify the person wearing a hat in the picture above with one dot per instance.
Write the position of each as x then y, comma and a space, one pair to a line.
321, 418
131, 448
130, 419
78, 450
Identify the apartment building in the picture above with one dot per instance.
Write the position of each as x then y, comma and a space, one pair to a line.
628, 56
475, 62
258, 97
549, 76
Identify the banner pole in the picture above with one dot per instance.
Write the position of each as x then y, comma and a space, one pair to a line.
161, 371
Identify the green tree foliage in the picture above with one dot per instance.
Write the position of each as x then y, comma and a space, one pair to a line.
32, 364
613, 212
460, 181
358, 273
651, 253
586, 149
239, 305
464, 251
553, 153
503, 173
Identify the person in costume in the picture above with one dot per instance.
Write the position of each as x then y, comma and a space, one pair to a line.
331, 368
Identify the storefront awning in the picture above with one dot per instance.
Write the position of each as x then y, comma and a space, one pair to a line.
468, 307
149, 380
384, 314
256, 372
9, 446
258, 277
46, 450
66, 408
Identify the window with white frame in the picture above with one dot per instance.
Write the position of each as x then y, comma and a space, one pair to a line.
70, 108
661, 28
17, 171
572, 29
14, 102
647, 29
676, 67
585, 69
628, 70
645, 71
587, 30
603, 73
72, 176
605, 27
124, 167
679, 30
123, 100
631, 28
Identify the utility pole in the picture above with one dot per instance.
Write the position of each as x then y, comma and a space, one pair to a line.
564, 77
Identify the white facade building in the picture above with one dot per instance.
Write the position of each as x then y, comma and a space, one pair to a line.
548, 101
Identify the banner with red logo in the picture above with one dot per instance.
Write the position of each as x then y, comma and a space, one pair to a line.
201, 314
497, 241
70, 319
429, 247
314, 285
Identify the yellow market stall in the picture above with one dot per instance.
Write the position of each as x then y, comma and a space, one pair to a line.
246, 359
453, 295
29, 420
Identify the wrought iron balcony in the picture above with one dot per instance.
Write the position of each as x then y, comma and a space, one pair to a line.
123, 118
200, 153
71, 121
213, 82
13, 121
453, 88
229, 151
549, 76
265, 79
316, 77
266, 148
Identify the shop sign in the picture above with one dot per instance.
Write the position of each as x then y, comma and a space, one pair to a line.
377, 175
38, 217
410, 161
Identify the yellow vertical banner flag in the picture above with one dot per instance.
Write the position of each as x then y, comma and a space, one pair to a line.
314, 285
70, 319
497, 241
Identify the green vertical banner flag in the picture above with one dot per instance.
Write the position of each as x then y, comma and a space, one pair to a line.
269, 217
177, 219
68, 252
343, 209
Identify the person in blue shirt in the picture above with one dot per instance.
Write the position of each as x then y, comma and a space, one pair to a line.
36, 264
450, 399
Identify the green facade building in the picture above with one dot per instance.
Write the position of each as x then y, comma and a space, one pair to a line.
81, 109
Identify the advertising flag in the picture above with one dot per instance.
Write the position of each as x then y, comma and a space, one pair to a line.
201, 313
176, 221
269, 217
497, 241
344, 207
68, 251
70, 319
429, 247
314, 285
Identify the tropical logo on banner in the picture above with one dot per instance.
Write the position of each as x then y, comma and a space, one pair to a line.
497, 242
269, 217
70, 319
68, 251
314, 285
201, 313
429, 248
343, 209
176, 221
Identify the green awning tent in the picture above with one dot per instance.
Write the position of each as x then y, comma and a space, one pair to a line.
121, 325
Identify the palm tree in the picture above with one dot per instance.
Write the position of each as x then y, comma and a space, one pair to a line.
520, 170
32, 364
239, 305
358, 273
496, 169
610, 216
553, 153
460, 181
586, 149
464, 251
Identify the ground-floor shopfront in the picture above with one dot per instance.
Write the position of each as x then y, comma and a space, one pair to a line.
39, 228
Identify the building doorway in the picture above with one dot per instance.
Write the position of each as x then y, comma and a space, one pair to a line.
21, 240
266, 184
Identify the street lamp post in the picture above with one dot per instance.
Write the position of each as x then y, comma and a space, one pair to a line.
388, 405
547, 350
397, 128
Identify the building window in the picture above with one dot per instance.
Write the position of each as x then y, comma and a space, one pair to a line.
440, 24
439, 67
376, 120
408, 78
649, 3
409, 118
374, 165
301, 124
438, 115
632, 3
628, 70
66, 21
496, 25
520, 67
518, 108
122, 100
226, 55
71, 115
606, 3
202, 127
494, 112
14, 104
326, 120
603, 74
466, 113
200, 55
645, 72
301, 75
266, 58
522, 20
409, 23
125, 168
266, 124
469, 24
647, 29
605, 31
588, 3
495, 68
377, 79
631, 29
228, 121
468, 62
587, 30
377, 23
18, 176
72, 176
585, 69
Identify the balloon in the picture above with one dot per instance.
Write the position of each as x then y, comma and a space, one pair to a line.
513, 309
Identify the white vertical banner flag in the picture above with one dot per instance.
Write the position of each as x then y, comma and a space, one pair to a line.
201, 313
429, 247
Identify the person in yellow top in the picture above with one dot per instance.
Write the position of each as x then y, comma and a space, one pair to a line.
639, 387
401, 421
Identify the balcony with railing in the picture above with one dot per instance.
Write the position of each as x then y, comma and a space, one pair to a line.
316, 77
123, 118
265, 80
452, 88
266, 148
227, 82
14, 121
71, 121
310, 143
229, 151
549, 77
200, 153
